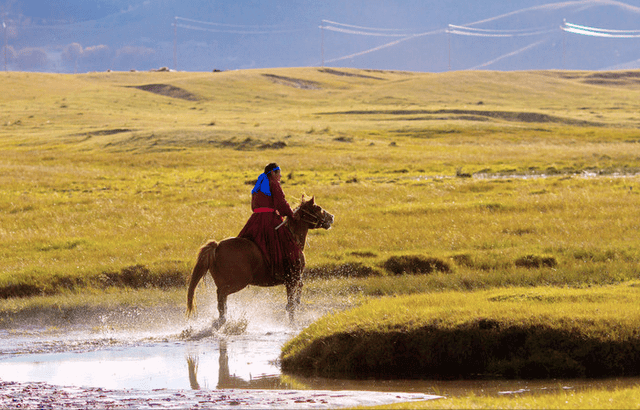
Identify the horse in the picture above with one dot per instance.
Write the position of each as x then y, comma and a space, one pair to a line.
236, 263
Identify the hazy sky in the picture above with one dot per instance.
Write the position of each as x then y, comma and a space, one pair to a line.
417, 35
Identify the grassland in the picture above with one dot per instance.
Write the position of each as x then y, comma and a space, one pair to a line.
456, 183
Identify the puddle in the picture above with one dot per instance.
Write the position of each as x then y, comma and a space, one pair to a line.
241, 362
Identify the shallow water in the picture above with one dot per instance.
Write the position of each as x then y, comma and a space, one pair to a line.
217, 361
173, 354
149, 363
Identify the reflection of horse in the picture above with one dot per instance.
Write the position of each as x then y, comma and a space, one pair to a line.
235, 263
228, 381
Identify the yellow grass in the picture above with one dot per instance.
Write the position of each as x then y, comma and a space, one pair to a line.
98, 177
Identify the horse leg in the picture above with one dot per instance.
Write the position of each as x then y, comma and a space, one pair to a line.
222, 310
294, 290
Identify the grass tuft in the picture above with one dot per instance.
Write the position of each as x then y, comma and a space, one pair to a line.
344, 270
399, 265
536, 261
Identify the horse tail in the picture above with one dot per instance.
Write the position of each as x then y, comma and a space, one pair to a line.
204, 264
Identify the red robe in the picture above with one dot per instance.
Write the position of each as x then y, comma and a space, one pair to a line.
279, 247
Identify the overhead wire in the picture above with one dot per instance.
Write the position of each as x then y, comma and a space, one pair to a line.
361, 27
393, 43
211, 23
363, 33
211, 30
233, 28
511, 54
478, 32
452, 29
474, 32
398, 35
599, 32
402, 35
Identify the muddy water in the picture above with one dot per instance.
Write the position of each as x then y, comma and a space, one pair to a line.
173, 354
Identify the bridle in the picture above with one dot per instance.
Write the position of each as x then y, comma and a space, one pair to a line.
307, 217
314, 220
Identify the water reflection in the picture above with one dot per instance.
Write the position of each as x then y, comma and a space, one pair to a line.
226, 380
148, 363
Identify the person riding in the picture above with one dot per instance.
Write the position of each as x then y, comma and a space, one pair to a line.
278, 245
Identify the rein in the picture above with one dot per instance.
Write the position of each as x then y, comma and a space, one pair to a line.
315, 223
307, 217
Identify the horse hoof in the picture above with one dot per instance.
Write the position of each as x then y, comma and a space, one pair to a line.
217, 324
191, 334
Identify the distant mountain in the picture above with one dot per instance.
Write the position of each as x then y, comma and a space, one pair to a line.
413, 35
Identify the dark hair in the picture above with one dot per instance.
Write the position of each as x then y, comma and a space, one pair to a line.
270, 167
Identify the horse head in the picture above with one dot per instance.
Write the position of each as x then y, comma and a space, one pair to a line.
313, 215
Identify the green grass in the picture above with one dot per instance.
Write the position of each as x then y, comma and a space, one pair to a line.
541, 332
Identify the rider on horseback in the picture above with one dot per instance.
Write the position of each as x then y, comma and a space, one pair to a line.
279, 248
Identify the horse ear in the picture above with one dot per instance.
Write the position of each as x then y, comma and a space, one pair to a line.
313, 200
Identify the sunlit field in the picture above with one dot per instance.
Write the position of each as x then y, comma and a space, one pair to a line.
98, 175
452, 182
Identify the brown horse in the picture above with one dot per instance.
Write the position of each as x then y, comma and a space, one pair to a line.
236, 263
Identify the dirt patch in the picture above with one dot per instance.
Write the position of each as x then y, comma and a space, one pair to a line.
249, 144
343, 139
174, 141
458, 117
474, 115
347, 74
106, 132
293, 82
99, 133
614, 78
605, 78
167, 91
616, 75
388, 71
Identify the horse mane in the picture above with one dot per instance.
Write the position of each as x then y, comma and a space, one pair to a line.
305, 199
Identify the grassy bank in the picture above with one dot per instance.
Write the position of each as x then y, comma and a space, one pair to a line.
544, 332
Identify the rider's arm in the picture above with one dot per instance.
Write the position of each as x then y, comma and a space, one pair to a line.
279, 202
